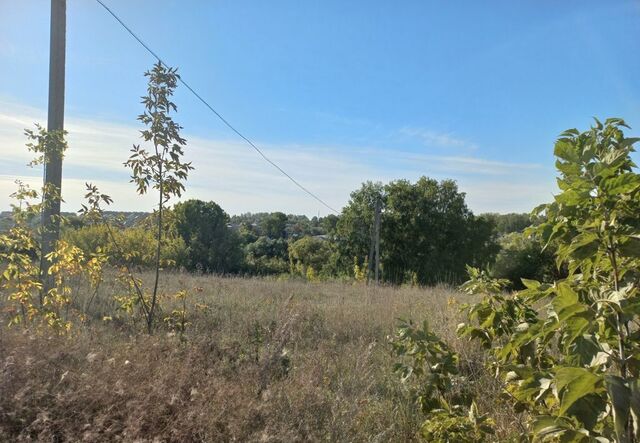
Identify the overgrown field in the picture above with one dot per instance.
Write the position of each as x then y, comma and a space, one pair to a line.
261, 360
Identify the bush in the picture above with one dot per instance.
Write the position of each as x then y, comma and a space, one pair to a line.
134, 246
522, 256
267, 256
309, 253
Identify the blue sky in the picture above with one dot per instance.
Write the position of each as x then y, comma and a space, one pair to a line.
336, 92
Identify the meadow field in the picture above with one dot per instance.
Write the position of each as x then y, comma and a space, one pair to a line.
260, 360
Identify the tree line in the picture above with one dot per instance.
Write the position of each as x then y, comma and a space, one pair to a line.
428, 235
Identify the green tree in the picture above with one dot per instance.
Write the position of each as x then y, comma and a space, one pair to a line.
274, 225
355, 226
524, 256
162, 168
329, 224
309, 252
428, 234
508, 223
211, 245
575, 369
267, 256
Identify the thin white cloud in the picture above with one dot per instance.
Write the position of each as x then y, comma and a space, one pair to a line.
440, 140
507, 195
232, 174
473, 165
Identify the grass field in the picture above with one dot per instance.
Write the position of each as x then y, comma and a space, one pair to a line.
265, 360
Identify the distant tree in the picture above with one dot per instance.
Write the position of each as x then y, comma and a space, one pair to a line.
309, 252
211, 245
428, 234
298, 226
267, 256
508, 223
247, 232
523, 256
354, 227
329, 223
274, 225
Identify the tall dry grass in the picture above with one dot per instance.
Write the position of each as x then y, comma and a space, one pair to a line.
267, 361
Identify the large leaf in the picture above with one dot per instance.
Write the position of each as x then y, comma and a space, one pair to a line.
547, 425
634, 387
566, 303
622, 184
584, 245
573, 384
549, 428
631, 247
565, 150
570, 197
620, 396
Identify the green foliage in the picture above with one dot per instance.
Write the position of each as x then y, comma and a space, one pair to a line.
271, 225
309, 253
47, 145
427, 231
329, 224
509, 223
575, 369
267, 256
177, 319
444, 426
21, 281
360, 272
135, 246
524, 256
481, 282
432, 372
354, 227
211, 245
274, 225
161, 169
29, 300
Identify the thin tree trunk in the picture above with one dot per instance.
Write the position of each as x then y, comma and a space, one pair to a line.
620, 323
154, 297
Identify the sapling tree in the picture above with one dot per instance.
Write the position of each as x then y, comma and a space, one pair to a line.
34, 298
161, 168
47, 145
575, 366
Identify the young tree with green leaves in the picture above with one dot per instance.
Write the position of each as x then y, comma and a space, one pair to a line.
161, 168
574, 365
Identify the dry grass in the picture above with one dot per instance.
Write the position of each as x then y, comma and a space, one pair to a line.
268, 361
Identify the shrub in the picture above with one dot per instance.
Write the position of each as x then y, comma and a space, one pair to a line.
523, 256
134, 246
309, 252
575, 368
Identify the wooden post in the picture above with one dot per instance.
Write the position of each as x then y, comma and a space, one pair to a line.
372, 246
53, 168
377, 236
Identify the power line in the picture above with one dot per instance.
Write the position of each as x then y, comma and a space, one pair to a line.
217, 114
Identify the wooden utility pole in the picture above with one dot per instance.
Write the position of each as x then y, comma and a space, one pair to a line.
377, 236
372, 247
53, 167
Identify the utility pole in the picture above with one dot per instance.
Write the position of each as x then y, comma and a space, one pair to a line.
377, 235
372, 247
53, 167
